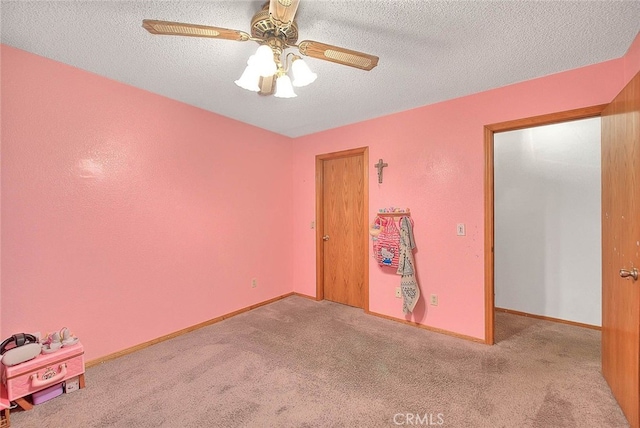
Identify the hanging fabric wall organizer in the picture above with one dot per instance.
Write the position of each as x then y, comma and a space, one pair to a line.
393, 247
386, 242
386, 236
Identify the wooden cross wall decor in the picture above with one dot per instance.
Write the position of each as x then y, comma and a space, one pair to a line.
380, 165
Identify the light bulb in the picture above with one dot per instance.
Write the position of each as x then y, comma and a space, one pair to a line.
263, 61
249, 79
302, 75
284, 88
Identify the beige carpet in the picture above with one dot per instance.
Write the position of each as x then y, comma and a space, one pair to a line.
300, 363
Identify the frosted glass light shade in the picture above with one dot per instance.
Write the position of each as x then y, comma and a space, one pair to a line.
302, 75
284, 88
249, 79
263, 61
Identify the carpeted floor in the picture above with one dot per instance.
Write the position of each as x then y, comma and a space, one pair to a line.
300, 363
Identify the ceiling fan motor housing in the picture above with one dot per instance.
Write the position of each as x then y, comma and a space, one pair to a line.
263, 27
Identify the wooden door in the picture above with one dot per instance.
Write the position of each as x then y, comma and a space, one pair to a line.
621, 248
342, 227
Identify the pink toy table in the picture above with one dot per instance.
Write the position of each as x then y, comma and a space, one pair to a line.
43, 371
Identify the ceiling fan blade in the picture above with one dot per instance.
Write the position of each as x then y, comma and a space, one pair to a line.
192, 30
282, 12
338, 55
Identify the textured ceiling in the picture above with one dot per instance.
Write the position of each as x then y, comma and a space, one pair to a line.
429, 51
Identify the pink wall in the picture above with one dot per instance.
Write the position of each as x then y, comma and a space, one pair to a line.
436, 168
127, 216
632, 60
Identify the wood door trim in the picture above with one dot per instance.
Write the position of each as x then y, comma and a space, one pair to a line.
489, 303
548, 119
364, 152
489, 131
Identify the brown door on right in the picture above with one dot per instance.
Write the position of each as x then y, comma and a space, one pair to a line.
621, 249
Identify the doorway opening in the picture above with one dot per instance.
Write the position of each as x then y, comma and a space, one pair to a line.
489, 189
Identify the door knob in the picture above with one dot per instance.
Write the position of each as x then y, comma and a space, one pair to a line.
325, 238
633, 273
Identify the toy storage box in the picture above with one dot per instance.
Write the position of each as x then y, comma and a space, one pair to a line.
47, 394
71, 385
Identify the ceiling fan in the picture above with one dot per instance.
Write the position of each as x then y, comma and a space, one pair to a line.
275, 29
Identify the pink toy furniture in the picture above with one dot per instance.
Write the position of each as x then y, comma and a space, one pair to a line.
40, 373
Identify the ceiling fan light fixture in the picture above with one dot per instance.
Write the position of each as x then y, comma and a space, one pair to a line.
275, 29
249, 79
284, 89
302, 74
263, 61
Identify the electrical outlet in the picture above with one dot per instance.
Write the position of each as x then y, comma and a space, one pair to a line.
434, 300
460, 229
398, 293
254, 283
